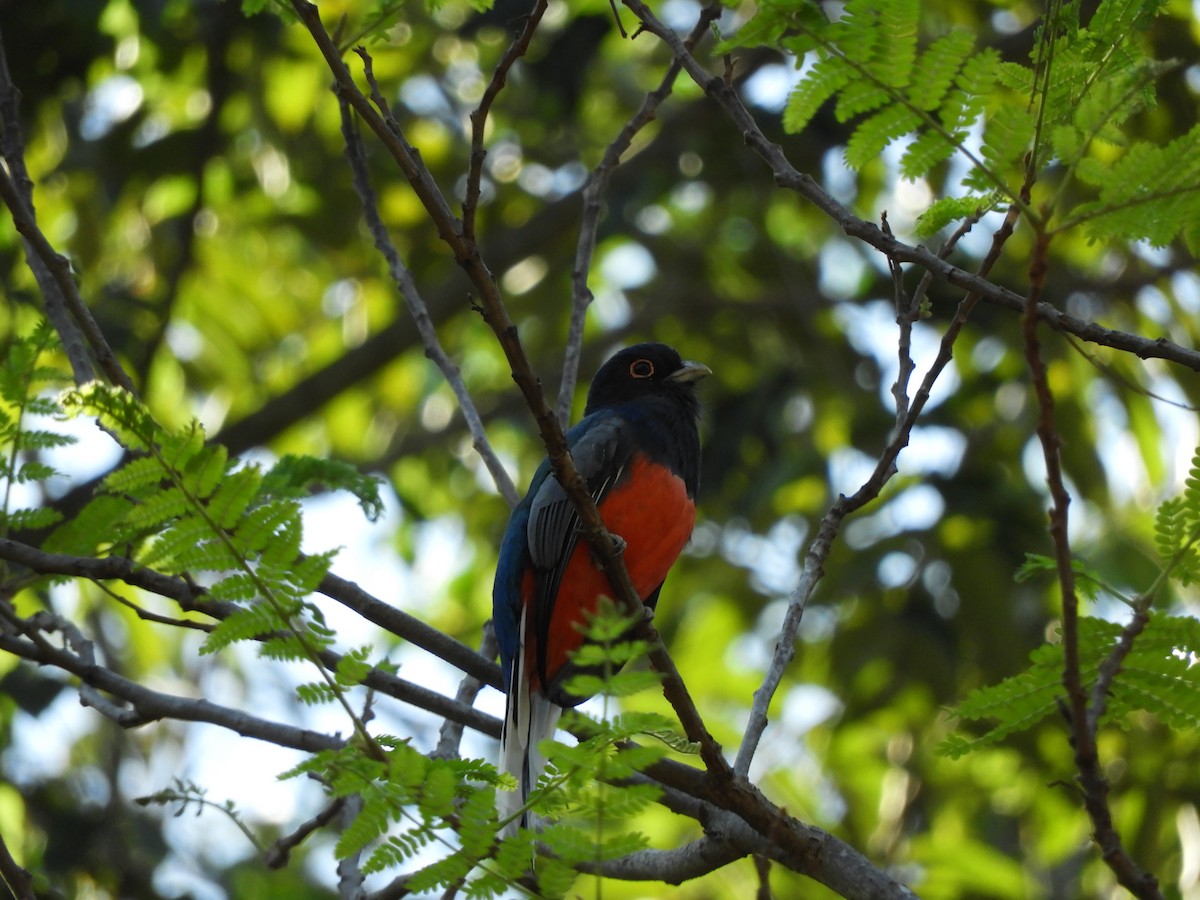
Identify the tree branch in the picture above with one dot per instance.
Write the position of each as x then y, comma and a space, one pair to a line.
12, 148
146, 705
411, 629
279, 853
831, 522
18, 880
491, 305
192, 598
51, 270
670, 866
515, 51
594, 191
1091, 778
468, 689
402, 278
790, 178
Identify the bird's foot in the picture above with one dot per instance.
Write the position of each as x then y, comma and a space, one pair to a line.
618, 545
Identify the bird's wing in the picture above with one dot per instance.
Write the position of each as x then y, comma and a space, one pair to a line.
601, 454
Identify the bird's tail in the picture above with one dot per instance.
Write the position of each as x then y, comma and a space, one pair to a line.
529, 718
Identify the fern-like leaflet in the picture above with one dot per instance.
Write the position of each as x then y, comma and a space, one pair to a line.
1065, 107
183, 507
1159, 674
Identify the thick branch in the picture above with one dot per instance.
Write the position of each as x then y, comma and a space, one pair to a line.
146, 705
491, 305
410, 628
670, 866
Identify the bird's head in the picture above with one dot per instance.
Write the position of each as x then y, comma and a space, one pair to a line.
645, 370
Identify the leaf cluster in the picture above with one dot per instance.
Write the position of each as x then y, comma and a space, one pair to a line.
414, 806
1062, 110
410, 804
181, 506
1159, 675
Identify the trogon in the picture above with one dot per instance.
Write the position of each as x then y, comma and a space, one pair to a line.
638, 449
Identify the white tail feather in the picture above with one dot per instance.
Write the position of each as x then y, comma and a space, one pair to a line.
529, 718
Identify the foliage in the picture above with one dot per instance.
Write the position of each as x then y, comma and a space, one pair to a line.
1064, 108
411, 806
1159, 676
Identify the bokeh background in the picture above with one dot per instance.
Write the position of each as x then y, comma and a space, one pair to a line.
189, 159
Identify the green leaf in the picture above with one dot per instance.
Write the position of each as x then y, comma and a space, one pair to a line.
232, 497
938, 69
438, 793
877, 132
353, 667
950, 209
827, 77
205, 471
30, 519
247, 623
298, 476
898, 20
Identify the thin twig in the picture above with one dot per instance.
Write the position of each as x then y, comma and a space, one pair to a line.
402, 278
1093, 784
12, 148
51, 270
515, 51
907, 312
831, 522
1111, 665
146, 616
450, 736
278, 853
594, 190
60, 270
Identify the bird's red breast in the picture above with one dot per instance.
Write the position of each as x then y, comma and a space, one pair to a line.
651, 511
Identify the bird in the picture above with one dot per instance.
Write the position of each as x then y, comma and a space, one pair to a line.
637, 448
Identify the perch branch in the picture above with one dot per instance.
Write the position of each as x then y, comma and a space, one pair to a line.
375, 112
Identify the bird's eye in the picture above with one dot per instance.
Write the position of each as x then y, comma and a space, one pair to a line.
642, 368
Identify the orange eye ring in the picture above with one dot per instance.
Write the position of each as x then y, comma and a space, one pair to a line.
641, 368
